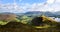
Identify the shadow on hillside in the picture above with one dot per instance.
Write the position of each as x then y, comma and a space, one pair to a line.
19, 27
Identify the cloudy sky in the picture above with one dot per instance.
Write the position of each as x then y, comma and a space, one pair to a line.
18, 6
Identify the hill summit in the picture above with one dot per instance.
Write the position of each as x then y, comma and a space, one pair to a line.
7, 16
42, 20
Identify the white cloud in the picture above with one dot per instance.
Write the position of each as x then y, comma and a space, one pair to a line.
10, 8
50, 1
49, 5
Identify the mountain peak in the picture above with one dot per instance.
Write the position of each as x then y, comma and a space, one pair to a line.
42, 20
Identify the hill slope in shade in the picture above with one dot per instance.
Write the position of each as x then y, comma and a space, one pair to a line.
43, 22
15, 27
19, 27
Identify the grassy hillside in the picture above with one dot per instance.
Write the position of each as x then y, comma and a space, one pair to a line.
19, 27
43, 22
29, 24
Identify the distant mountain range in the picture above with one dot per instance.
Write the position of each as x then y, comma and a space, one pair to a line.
39, 13
36, 13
